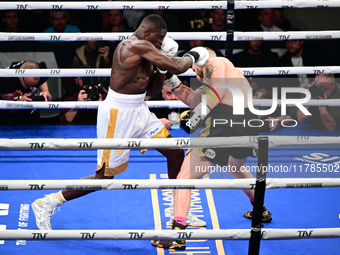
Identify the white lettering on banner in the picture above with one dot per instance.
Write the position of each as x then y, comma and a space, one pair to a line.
11, 105
318, 37
23, 221
3, 227
89, 38
322, 157
12, 37
4, 208
249, 38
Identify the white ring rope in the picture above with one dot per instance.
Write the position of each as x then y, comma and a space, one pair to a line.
224, 234
106, 72
169, 143
208, 36
5, 104
271, 183
127, 5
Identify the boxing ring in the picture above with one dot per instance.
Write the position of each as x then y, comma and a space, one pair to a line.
304, 206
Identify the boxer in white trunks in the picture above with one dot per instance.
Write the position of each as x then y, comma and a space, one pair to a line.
139, 66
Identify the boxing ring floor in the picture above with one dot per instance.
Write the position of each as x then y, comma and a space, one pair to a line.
135, 209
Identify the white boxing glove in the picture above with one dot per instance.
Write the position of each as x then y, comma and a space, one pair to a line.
199, 55
169, 46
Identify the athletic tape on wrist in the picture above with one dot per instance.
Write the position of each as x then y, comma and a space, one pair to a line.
173, 82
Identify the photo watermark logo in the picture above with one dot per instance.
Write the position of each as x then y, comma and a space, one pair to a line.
238, 100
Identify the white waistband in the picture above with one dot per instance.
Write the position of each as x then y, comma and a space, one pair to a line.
125, 98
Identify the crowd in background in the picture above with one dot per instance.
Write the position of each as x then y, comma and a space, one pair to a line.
98, 54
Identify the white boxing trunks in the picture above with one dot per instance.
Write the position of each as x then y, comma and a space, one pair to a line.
124, 116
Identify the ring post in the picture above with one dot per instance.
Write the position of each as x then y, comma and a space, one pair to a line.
260, 188
230, 21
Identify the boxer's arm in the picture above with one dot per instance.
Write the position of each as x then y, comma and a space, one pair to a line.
155, 84
174, 65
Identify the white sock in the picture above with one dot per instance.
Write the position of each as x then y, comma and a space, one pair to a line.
58, 198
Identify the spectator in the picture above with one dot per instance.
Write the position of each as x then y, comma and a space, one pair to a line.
12, 23
257, 56
10, 20
266, 24
59, 20
169, 17
280, 21
92, 54
218, 24
82, 116
300, 55
323, 116
64, 50
22, 89
193, 20
168, 116
117, 22
266, 18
